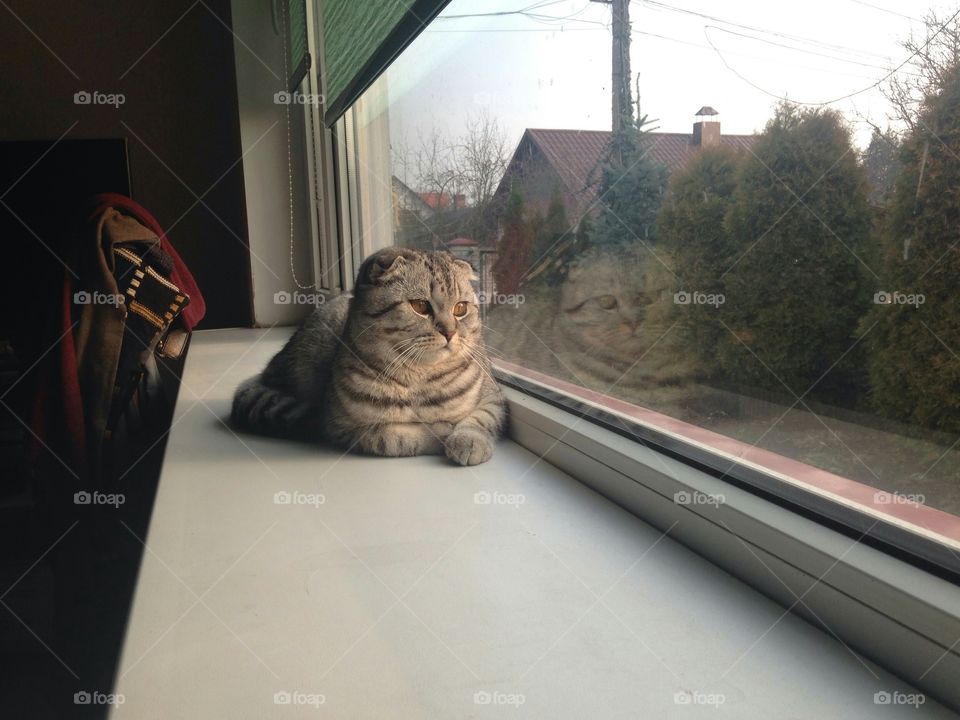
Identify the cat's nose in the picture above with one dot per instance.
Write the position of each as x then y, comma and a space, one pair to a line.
448, 333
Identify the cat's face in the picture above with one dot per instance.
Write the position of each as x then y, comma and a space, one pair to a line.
611, 304
418, 308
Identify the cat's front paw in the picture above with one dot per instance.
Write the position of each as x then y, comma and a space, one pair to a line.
396, 444
468, 446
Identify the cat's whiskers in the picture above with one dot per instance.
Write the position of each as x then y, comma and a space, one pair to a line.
475, 356
491, 351
399, 360
404, 342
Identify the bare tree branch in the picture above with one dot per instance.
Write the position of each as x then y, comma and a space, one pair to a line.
935, 52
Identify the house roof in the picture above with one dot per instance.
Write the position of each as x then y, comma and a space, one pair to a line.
575, 153
442, 201
412, 197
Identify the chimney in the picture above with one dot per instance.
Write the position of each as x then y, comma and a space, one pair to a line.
706, 130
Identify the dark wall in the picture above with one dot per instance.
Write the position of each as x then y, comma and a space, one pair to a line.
173, 61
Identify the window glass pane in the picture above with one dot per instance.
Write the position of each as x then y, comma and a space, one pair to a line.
783, 274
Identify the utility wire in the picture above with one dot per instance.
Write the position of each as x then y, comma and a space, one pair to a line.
753, 28
574, 18
744, 55
791, 47
842, 97
886, 10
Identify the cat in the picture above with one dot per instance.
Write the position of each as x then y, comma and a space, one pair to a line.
609, 325
397, 369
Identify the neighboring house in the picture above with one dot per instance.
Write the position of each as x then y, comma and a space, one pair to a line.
406, 199
431, 221
566, 160
463, 247
444, 201
412, 217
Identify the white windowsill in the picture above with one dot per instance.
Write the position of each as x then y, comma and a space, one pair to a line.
400, 596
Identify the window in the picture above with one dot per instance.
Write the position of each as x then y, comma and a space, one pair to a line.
770, 292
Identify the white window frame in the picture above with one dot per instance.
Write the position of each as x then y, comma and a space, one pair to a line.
900, 616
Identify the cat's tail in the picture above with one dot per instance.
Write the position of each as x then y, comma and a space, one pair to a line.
259, 408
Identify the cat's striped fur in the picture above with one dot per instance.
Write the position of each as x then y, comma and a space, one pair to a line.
369, 372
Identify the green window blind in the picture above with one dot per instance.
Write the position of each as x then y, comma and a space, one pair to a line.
299, 55
360, 40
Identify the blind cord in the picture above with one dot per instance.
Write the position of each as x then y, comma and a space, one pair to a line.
286, 77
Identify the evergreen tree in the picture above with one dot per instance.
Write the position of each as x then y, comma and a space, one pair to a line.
881, 161
554, 226
914, 348
552, 238
691, 230
794, 287
630, 187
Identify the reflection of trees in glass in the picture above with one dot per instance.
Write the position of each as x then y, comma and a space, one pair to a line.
913, 360
795, 290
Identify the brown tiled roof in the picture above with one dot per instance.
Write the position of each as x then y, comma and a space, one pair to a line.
575, 153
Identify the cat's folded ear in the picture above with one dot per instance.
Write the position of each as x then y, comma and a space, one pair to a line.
468, 268
384, 266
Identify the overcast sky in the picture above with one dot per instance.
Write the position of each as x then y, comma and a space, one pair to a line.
531, 70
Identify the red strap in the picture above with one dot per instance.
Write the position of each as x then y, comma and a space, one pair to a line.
180, 276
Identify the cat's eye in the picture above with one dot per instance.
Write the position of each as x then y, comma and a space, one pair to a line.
607, 302
420, 306
460, 309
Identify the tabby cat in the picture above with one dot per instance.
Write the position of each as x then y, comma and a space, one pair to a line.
399, 368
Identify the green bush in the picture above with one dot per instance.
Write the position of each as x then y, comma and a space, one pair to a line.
914, 351
794, 279
691, 230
